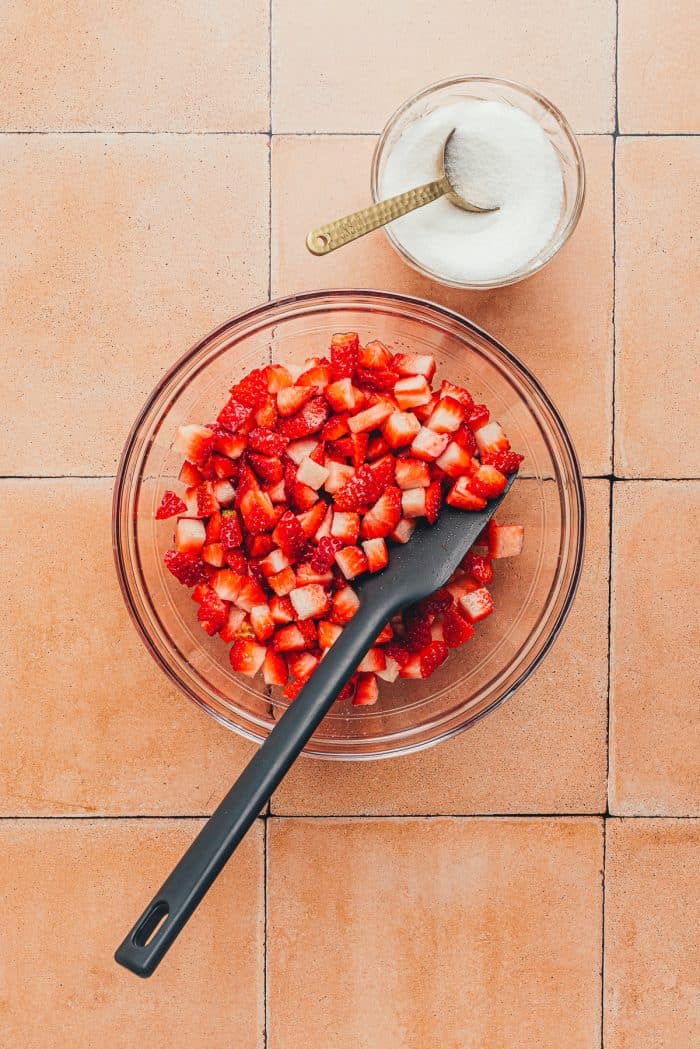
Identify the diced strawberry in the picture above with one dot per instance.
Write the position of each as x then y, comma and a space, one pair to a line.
365, 487
268, 468
447, 417
476, 605
234, 626
480, 568
289, 536
387, 633
373, 661
274, 562
455, 460
247, 657
213, 528
345, 526
311, 474
412, 473
274, 668
432, 657
302, 665
338, 475
507, 462
277, 493
231, 535
282, 583
213, 612
190, 475
171, 505
414, 364
370, 418
281, 609
224, 468
252, 390
376, 448
491, 438
259, 514
376, 553
319, 376
358, 448
310, 602
367, 690
227, 584
207, 503
488, 482
302, 449
213, 554
429, 445
413, 502
477, 416
343, 396
391, 671
236, 561
306, 573
461, 496
308, 420
262, 622
224, 492
266, 415
250, 594
196, 443
335, 428
328, 633
323, 556
344, 605
231, 445
267, 442
312, 519
289, 639
190, 535
292, 398
403, 531
278, 378
418, 634
433, 502
375, 355
455, 629
505, 540
234, 415
465, 439
188, 569
345, 353
413, 668
400, 429
448, 389
378, 380
424, 411
460, 585
385, 514
411, 392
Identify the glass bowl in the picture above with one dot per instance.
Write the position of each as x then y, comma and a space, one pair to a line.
532, 592
550, 119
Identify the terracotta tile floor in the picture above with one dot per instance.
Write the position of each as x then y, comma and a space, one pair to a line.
531, 884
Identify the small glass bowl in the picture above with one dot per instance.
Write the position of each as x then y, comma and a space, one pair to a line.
550, 119
532, 592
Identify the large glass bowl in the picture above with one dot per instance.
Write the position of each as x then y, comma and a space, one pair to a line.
489, 89
532, 593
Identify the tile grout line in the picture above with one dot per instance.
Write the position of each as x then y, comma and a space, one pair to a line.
602, 815
602, 936
259, 133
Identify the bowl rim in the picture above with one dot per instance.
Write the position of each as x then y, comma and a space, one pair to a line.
283, 302
526, 271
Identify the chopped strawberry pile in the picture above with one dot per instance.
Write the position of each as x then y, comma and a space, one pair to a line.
299, 486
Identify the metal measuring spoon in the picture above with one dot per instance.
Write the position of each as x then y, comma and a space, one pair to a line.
333, 235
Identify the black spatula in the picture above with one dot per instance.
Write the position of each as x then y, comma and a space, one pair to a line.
414, 571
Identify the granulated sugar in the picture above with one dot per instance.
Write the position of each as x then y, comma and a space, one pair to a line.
500, 157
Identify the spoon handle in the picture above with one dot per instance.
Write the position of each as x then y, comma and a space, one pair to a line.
333, 235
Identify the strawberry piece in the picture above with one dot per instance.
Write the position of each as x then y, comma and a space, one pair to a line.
234, 415
359, 443
458, 393
236, 625
259, 514
305, 574
344, 605
278, 378
465, 439
461, 496
381, 520
413, 503
338, 475
274, 668
343, 396
433, 502
367, 690
312, 519
400, 429
505, 540
346, 527
247, 657
299, 450
236, 561
488, 482
345, 354
375, 355
507, 462
380, 380
190, 535
196, 443
461, 585
302, 665
412, 473
365, 487
477, 416
376, 553
323, 556
387, 634
227, 584
307, 421
418, 625
282, 582
403, 531
335, 428
171, 505
447, 417
252, 390
267, 441
268, 468
454, 461
275, 561
436, 603
258, 546
370, 418
424, 411
455, 629
292, 689
213, 554
188, 569
231, 535
491, 438
223, 491
414, 364
480, 568
213, 528
310, 602
262, 622
213, 612
411, 392
477, 605
281, 609
373, 661
319, 375
292, 398
225, 468
311, 474
432, 657
289, 639
250, 594
376, 448
429, 445
399, 652
328, 633
190, 475
266, 415
289, 536
231, 445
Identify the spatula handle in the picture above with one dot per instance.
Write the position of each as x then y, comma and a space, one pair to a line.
159, 925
